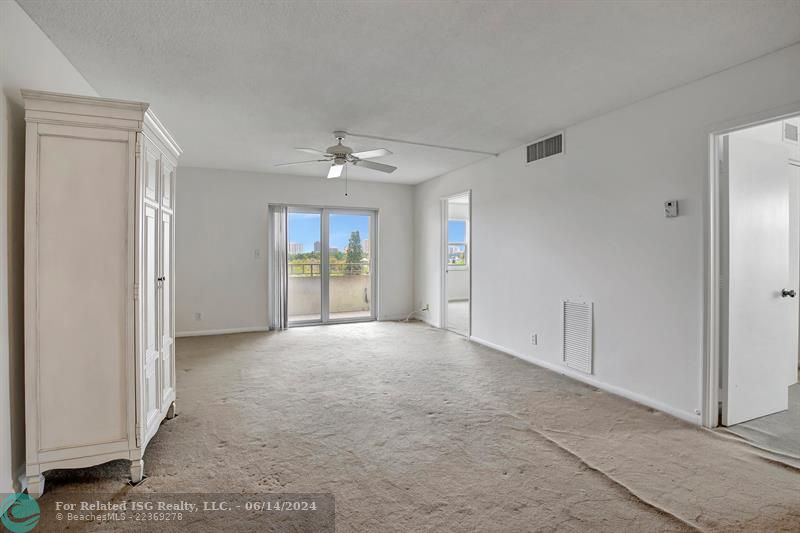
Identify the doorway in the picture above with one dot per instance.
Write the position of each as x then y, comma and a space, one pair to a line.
457, 263
758, 176
330, 265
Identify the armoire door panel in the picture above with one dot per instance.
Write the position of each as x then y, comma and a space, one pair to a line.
83, 287
167, 341
150, 319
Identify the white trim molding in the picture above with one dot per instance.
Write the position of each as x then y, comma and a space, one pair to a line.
692, 418
227, 331
396, 318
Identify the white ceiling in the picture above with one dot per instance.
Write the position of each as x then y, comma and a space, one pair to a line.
239, 83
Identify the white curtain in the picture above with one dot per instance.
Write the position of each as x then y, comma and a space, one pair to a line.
278, 278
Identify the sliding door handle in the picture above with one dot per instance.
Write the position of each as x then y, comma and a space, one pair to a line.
788, 293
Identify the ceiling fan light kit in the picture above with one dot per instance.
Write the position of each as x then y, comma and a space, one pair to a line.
340, 155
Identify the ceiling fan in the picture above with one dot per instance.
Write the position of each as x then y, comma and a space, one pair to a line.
339, 155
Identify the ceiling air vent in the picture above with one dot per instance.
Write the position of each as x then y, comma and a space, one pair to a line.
791, 132
546, 147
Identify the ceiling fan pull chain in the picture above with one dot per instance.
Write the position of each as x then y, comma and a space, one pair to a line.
345, 181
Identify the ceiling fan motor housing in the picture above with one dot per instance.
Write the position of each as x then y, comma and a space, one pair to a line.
339, 151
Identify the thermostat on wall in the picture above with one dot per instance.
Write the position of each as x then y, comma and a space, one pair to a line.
671, 208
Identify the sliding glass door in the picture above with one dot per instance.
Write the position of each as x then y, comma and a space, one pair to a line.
349, 272
330, 265
304, 233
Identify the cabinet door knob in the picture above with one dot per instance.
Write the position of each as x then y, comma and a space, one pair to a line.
788, 293
162, 278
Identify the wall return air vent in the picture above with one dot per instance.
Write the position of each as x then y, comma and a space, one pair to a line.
579, 336
545, 148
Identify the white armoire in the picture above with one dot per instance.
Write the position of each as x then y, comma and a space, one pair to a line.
99, 283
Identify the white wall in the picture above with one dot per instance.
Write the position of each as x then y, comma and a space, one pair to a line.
221, 220
590, 224
27, 60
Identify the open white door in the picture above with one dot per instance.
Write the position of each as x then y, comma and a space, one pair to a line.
762, 311
457, 265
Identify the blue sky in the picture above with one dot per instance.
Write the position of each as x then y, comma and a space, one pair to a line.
456, 231
305, 228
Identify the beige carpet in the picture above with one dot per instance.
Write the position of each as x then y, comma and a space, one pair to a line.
416, 429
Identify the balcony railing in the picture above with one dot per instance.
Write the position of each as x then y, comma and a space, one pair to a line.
313, 270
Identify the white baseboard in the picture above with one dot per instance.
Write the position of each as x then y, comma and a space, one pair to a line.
428, 321
589, 380
221, 331
393, 318
229, 331
401, 318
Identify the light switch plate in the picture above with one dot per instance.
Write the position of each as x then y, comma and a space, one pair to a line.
671, 208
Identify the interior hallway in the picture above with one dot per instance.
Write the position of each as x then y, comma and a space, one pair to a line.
416, 429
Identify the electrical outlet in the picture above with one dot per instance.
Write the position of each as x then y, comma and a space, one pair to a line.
535, 339
198, 316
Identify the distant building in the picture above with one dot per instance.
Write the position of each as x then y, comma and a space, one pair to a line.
333, 250
295, 247
317, 246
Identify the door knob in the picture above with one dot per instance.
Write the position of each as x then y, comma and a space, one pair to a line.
788, 293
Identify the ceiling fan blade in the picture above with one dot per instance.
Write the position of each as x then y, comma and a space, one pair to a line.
335, 171
301, 162
369, 154
375, 166
312, 151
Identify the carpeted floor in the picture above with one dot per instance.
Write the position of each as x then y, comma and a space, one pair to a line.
417, 429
